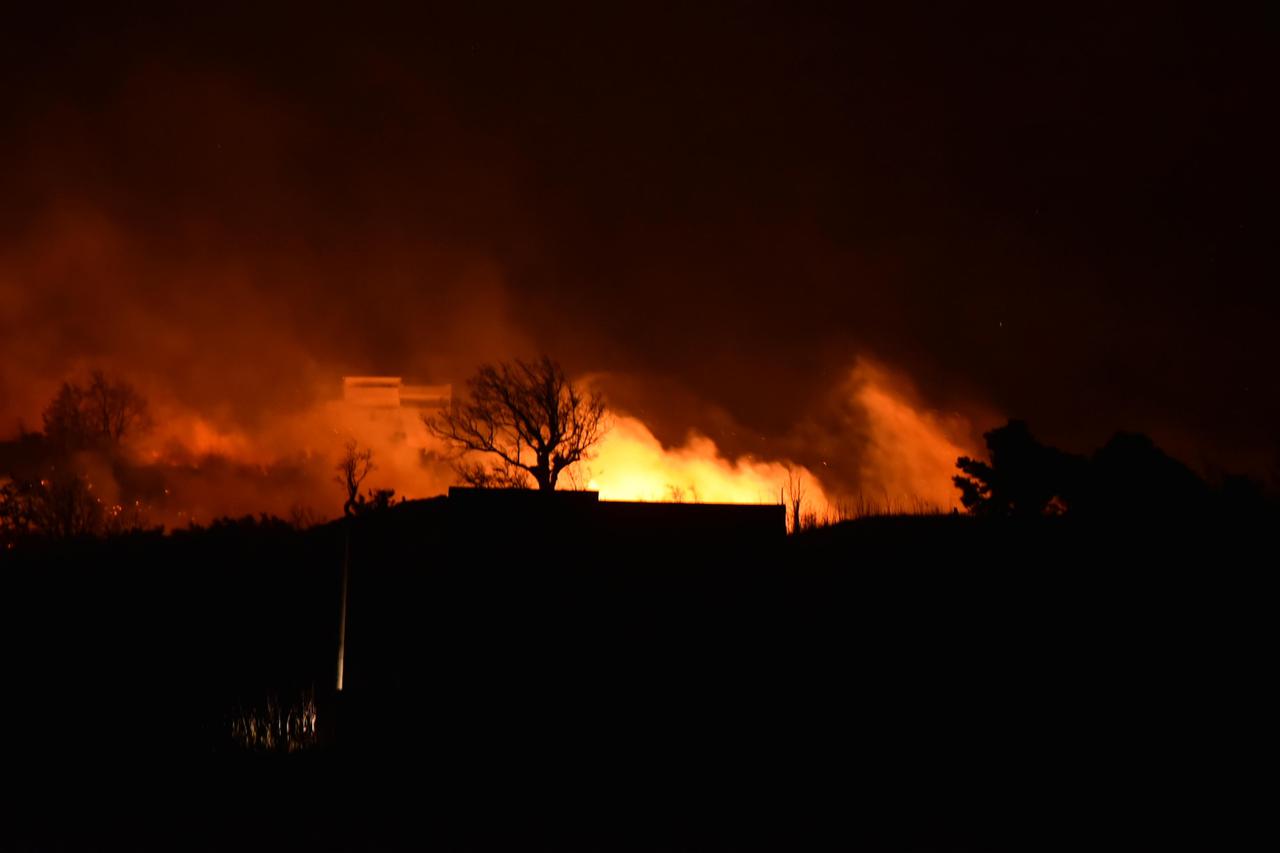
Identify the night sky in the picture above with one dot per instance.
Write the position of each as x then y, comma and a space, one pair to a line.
1062, 214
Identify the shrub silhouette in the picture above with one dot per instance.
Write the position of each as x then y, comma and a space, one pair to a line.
1129, 476
1025, 477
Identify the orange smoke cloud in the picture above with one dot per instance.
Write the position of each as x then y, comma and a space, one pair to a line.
241, 370
903, 454
877, 447
287, 462
911, 452
234, 291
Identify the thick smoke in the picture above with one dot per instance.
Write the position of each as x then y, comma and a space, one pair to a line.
246, 400
761, 254
204, 239
242, 369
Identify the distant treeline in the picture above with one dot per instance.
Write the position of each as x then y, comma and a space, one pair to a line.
76, 477
1129, 476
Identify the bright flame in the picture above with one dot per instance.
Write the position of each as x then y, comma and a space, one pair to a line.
633, 465
880, 450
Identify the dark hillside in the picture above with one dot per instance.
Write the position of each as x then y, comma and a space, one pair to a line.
974, 679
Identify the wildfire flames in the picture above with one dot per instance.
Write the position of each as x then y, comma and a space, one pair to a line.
633, 465
285, 467
248, 415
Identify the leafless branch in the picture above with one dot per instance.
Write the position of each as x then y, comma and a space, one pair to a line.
353, 467
526, 414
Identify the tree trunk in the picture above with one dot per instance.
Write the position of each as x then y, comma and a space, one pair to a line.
542, 473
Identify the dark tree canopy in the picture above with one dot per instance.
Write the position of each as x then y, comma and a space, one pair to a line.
353, 467
526, 418
1024, 477
101, 414
1129, 476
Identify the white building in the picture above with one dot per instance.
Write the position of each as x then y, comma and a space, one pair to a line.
385, 412
384, 392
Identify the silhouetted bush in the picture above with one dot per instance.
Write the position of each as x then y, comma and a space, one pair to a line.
1025, 478
1130, 476
1127, 478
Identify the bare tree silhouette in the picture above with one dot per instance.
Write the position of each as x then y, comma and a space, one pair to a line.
101, 414
793, 494
353, 467
528, 416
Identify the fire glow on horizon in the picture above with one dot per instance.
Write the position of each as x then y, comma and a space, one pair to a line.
906, 461
240, 374
632, 465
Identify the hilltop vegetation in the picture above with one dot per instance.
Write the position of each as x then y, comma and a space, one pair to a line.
929, 662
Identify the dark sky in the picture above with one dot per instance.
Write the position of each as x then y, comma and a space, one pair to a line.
1061, 213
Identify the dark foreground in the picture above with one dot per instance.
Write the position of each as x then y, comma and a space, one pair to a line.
529, 683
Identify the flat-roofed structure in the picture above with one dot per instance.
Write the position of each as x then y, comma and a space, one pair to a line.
627, 520
391, 392
426, 396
